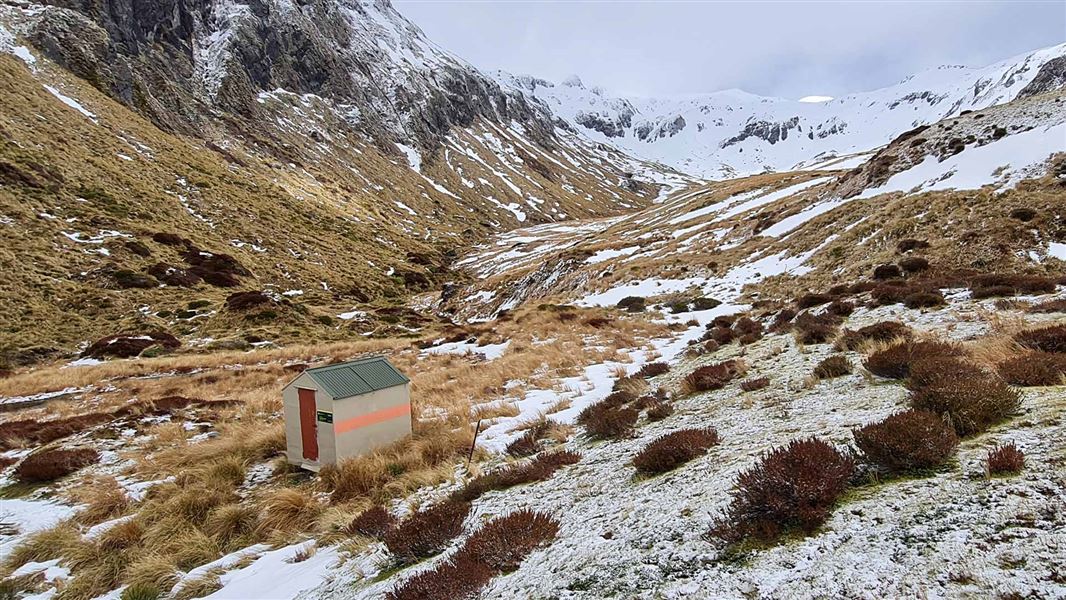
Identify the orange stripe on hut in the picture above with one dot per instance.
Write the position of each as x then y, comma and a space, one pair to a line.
373, 418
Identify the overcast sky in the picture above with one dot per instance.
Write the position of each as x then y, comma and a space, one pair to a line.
789, 49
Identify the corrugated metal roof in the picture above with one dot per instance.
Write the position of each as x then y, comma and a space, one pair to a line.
344, 380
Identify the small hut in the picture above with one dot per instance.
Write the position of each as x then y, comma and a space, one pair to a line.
344, 410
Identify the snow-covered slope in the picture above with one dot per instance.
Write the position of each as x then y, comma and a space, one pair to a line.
732, 132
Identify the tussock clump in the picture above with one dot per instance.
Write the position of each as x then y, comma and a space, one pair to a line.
906, 245
608, 419
791, 488
783, 320
49, 465
889, 271
1034, 369
539, 469
758, 383
747, 330
815, 329
712, 377
1046, 339
659, 411
426, 532
972, 405
878, 332
992, 285
812, 300
894, 362
833, 366
460, 577
914, 264
840, 308
233, 526
674, 449
288, 510
924, 299
633, 304
907, 441
1005, 460
373, 522
1051, 306
719, 335
653, 369
503, 543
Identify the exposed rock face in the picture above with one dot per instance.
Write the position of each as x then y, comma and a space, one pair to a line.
764, 130
1051, 76
177, 61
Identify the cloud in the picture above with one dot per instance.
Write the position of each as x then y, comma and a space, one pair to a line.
782, 49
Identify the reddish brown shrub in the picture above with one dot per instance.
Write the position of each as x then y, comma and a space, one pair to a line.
911, 244
712, 377
783, 320
674, 449
173, 276
833, 366
925, 299
128, 345
659, 411
840, 308
790, 488
604, 420
1034, 369
527, 444
754, 384
7, 461
812, 300
373, 522
940, 370
653, 369
632, 304
1046, 339
49, 465
878, 332
720, 335
907, 441
1024, 214
888, 293
426, 532
992, 291
168, 239
247, 300
503, 543
1051, 306
972, 405
1005, 460
619, 397
887, 272
1010, 285
538, 469
861, 287
816, 329
461, 577
895, 361
723, 321
598, 322
914, 264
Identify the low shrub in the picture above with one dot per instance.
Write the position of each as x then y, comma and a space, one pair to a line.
659, 411
909, 244
607, 419
837, 365
459, 577
373, 522
1005, 459
940, 370
712, 377
653, 369
1050, 306
705, 303
1045, 339
888, 293
914, 264
723, 321
878, 332
924, 299
815, 329
840, 308
894, 362
812, 300
887, 272
633, 304
720, 335
751, 385
996, 284
538, 469
1034, 369
907, 441
674, 449
1023, 214
503, 543
791, 488
426, 532
971, 405
783, 320
49, 465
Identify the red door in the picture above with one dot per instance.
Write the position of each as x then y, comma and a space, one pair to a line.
308, 424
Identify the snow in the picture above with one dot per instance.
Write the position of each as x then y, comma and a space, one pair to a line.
70, 102
414, 159
87, 361
815, 99
352, 314
1057, 250
29, 516
489, 351
273, 575
789, 223
1001, 163
403, 206
603, 255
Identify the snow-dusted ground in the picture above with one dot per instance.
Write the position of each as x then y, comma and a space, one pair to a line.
955, 534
